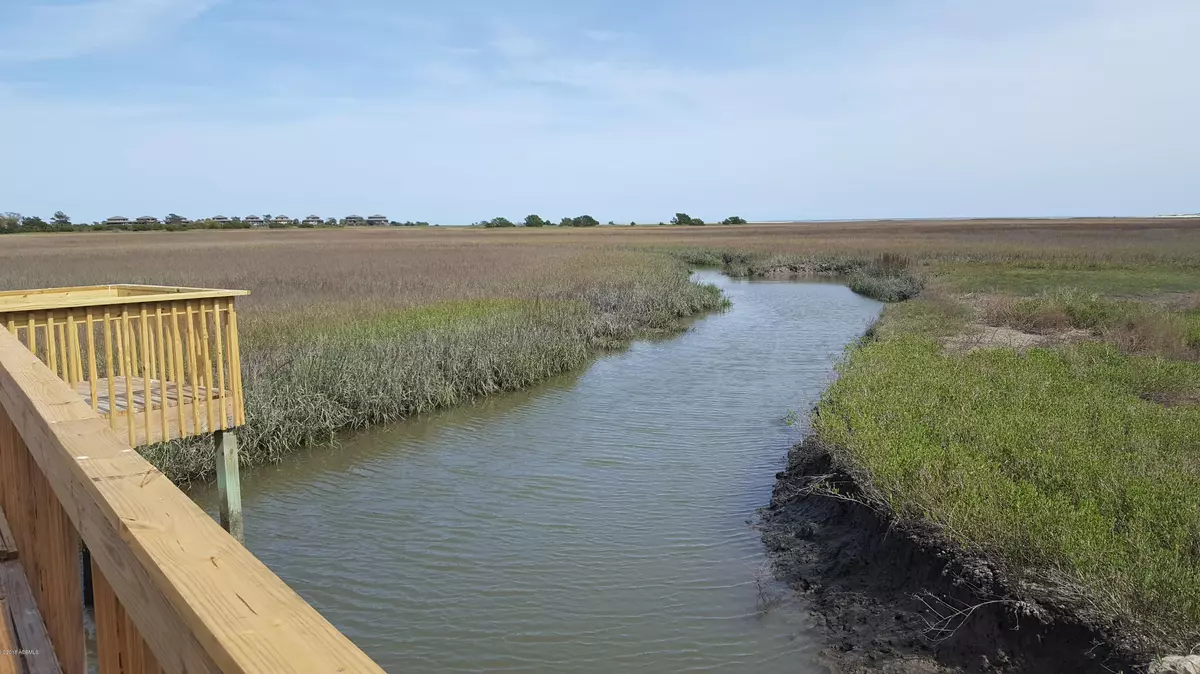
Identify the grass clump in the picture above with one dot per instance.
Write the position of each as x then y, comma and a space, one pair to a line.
1056, 462
888, 278
1134, 327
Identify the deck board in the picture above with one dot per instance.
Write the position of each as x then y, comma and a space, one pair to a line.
137, 387
24, 643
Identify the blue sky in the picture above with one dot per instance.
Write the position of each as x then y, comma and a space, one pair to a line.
459, 110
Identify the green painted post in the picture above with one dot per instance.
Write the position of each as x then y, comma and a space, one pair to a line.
229, 483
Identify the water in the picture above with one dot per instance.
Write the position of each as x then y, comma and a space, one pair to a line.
597, 523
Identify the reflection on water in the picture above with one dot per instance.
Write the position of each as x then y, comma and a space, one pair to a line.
597, 523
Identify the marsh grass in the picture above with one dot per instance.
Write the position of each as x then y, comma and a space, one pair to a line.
1034, 276
1051, 460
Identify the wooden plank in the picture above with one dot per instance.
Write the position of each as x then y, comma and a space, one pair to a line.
207, 370
147, 373
126, 367
220, 363
64, 353
190, 337
51, 353
120, 648
201, 600
93, 371
177, 364
173, 431
173, 410
164, 417
52, 565
32, 638
50, 302
139, 393
110, 365
31, 342
73, 355
10, 659
49, 551
8, 544
235, 356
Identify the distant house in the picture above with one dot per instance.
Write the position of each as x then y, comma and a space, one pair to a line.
253, 220
147, 220
281, 220
354, 221
117, 220
313, 220
377, 220
219, 218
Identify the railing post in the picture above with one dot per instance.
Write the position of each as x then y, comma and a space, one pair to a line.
229, 484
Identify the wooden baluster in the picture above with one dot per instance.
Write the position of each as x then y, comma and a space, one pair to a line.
235, 355
192, 369
71, 348
63, 350
206, 356
126, 368
73, 327
93, 372
51, 352
223, 420
110, 368
32, 329
162, 373
177, 366
147, 372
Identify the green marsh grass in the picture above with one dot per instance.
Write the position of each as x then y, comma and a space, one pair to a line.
1055, 462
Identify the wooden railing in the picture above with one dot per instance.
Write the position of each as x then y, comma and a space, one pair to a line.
159, 362
173, 592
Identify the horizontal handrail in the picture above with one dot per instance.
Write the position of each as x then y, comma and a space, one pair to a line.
200, 600
96, 296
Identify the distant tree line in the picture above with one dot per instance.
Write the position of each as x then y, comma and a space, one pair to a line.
589, 221
14, 223
11, 223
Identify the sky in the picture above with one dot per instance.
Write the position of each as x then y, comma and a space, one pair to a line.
629, 110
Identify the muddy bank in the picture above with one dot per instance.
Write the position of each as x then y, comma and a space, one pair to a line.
896, 598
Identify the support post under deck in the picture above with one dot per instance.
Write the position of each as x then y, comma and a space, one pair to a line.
229, 484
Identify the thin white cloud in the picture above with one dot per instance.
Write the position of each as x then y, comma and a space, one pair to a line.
61, 31
602, 35
1091, 114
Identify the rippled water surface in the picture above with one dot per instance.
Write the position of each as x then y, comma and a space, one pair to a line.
598, 523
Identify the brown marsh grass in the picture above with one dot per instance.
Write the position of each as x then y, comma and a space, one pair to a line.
346, 328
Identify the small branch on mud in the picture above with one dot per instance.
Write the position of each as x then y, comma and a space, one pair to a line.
949, 618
